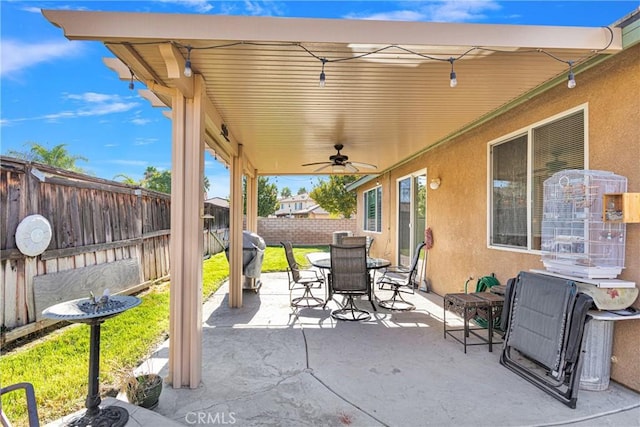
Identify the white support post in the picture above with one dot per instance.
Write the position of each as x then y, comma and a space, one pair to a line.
235, 231
252, 202
185, 347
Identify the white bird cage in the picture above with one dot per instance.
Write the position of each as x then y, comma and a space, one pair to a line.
576, 239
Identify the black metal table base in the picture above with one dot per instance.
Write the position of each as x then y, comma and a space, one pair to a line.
111, 416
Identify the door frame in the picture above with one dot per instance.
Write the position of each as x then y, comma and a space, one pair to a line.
412, 220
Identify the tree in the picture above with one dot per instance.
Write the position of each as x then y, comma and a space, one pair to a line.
285, 192
302, 190
125, 179
161, 181
267, 197
156, 180
333, 197
57, 156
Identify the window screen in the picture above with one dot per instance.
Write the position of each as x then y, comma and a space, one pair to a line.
553, 146
373, 210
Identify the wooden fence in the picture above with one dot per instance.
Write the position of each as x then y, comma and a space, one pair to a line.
105, 234
110, 235
216, 228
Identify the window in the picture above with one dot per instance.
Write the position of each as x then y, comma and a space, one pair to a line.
519, 166
373, 210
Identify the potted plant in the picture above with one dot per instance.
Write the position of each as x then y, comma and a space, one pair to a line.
144, 390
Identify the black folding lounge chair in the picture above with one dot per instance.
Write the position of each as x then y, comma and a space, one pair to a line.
545, 318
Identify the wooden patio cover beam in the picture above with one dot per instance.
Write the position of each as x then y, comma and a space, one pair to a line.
116, 26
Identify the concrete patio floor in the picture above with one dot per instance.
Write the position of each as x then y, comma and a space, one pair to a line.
265, 366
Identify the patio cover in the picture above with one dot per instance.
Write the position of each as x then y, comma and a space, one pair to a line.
254, 100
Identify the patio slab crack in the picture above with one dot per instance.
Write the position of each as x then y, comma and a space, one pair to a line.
331, 389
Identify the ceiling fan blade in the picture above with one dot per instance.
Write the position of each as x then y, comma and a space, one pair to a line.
364, 165
349, 166
323, 167
317, 163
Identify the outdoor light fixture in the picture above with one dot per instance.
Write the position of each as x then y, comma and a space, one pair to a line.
434, 184
131, 81
322, 76
571, 78
187, 65
453, 81
224, 132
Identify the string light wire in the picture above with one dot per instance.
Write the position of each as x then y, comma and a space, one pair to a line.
324, 60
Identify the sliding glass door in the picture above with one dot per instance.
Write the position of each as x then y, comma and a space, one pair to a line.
412, 214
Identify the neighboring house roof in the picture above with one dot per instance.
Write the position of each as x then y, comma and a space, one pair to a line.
308, 206
218, 201
296, 198
316, 209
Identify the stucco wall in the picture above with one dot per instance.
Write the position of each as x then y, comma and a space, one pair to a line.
457, 211
303, 231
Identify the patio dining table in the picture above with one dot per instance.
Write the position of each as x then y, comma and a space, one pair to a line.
372, 264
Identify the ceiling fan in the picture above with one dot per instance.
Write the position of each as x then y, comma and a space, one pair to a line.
340, 163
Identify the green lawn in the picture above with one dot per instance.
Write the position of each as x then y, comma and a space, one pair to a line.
57, 364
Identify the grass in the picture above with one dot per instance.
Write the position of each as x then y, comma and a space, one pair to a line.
57, 364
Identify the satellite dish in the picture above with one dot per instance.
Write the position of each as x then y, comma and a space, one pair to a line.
33, 235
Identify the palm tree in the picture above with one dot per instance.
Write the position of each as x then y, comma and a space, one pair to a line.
125, 179
58, 156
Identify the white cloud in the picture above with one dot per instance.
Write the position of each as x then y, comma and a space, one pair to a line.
106, 108
88, 104
201, 6
32, 9
460, 11
145, 141
98, 104
396, 15
92, 97
140, 122
17, 56
440, 11
262, 8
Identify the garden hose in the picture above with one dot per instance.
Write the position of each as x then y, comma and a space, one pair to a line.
485, 283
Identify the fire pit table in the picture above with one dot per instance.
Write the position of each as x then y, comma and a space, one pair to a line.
94, 312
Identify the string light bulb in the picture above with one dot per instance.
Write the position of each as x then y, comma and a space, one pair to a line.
571, 78
187, 65
131, 86
453, 81
322, 75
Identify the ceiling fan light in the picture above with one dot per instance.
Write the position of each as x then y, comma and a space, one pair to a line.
338, 168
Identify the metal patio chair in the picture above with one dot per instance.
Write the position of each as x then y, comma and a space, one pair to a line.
32, 408
300, 278
400, 280
353, 241
349, 276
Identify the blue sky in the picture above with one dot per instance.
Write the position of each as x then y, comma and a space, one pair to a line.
54, 91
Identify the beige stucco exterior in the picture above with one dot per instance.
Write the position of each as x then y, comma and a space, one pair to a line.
457, 211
